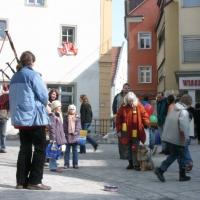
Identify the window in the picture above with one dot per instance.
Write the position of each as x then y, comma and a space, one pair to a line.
191, 49
3, 26
144, 40
66, 94
191, 3
144, 74
68, 34
35, 2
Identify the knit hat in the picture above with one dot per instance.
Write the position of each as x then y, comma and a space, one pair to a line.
71, 107
55, 104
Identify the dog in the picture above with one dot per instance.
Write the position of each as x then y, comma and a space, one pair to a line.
144, 158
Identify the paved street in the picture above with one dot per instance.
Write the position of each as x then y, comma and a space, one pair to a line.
96, 170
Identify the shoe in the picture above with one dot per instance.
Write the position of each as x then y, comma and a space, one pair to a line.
75, 167
3, 151
66, 167
95, 147
182, 175
59, 170
159, 173
39, 186
82, 152
136, 167
184, 178
19, 187
130, 166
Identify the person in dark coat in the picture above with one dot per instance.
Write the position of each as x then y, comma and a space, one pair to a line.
162, 108
117, 102
86, 120
197, 120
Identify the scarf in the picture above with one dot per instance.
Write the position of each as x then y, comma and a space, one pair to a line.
71, 123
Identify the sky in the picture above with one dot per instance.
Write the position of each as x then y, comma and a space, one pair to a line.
117, 22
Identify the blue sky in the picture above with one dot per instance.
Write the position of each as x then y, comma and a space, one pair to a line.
117, 22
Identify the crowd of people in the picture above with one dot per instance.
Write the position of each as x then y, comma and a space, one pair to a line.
37, 114
177, 122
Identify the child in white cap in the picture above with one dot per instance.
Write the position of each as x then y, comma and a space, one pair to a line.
56, 132
72, 126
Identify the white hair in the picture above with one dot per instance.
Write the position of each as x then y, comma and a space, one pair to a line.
130, 96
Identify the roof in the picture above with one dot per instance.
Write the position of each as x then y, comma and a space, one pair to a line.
115, 58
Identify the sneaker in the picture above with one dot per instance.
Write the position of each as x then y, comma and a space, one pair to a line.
75, 167
59, 170
39, 186
159, 174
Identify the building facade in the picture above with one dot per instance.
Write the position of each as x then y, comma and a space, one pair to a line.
141, 38
72, 46
178, 58
44, 27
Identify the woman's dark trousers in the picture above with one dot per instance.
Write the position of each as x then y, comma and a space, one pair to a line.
30, 164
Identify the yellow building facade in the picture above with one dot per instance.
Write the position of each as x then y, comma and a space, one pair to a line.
178, 49
105, 62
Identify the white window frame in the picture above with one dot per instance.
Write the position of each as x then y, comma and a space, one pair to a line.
144, 70
191, 44
145, 36
67, 35
190, 3
35, 3
62, 93
2, 33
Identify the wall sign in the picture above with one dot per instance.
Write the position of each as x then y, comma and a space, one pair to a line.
189, 83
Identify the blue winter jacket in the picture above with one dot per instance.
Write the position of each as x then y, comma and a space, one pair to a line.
28, 97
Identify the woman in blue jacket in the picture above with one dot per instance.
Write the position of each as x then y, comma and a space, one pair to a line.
28, 99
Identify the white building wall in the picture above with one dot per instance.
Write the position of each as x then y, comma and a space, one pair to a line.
121, 75
38, 29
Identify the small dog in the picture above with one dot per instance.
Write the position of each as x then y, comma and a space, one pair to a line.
144, 159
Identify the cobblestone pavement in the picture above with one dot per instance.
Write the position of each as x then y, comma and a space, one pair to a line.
97, 169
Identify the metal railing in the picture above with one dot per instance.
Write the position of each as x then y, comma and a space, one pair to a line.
102, 126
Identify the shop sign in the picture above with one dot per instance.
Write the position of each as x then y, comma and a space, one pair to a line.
189, 83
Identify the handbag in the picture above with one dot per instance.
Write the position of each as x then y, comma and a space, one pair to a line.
82, 137
53, 150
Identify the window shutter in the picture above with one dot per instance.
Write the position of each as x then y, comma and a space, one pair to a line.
191, 3
191, 49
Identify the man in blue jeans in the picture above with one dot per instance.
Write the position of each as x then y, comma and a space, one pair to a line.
176, 136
